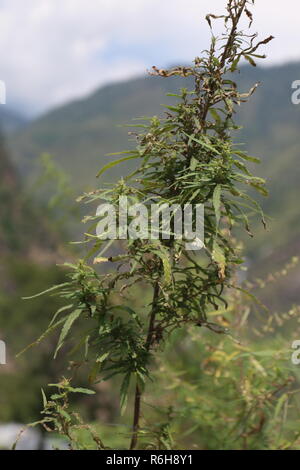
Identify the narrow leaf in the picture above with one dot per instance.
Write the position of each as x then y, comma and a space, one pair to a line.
66, 328
124, 392
217, 203
116, 162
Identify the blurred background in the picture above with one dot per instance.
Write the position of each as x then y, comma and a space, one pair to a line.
75, 75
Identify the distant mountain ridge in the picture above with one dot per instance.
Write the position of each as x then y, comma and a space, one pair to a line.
24, 231
11, 120
80, 133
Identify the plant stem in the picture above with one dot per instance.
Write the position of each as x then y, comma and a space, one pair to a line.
136, 417
227, 50
231, 37
138, 392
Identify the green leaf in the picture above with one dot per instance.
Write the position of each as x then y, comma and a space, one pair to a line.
242, 167
280, 404
235, 64
129, 310
260, 189
66, 328
58, 286
141, 380
62, 309
217, 203
42, 337
164, 256
124, 392
116, 162
250, 60
215, 115
44, 398
119, 153
86, 391
193, 163
56, 396
86, 347
102, 358
251, 296
63, 413
244, 156
203, 144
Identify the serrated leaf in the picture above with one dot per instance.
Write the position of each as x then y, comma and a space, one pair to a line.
251, 296
215, 115
66, 328
260, 189
203, 144
43, 336
164, 256
141, 380
114, 154
63, 413
86, 391
234, 64
44, 398
56, 396
51, 289
102, 358
124, 392
217, 203
193, 163
242, 166
244, 156
62, 309
114, 163
280, 404
250, 60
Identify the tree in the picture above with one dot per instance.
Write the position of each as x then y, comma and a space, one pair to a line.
188, 156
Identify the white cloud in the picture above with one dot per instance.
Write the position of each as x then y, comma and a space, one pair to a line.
54, 50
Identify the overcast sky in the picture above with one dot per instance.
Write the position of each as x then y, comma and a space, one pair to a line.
54, 50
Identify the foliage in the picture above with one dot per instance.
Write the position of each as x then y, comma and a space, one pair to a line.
57, 417
51, 174
234, 394
186, 157
19, 321
215, 392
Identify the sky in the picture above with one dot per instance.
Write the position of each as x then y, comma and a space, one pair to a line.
53, 51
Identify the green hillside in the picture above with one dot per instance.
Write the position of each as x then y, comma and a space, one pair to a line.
10, 120
23, 230
79, 135
29, 250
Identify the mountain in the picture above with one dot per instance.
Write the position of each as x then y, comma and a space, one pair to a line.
10, 120
80, 133
24, 230
29, 249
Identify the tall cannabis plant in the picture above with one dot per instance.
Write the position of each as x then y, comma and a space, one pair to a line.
187, 156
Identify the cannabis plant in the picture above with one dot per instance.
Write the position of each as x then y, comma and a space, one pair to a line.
188, 156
